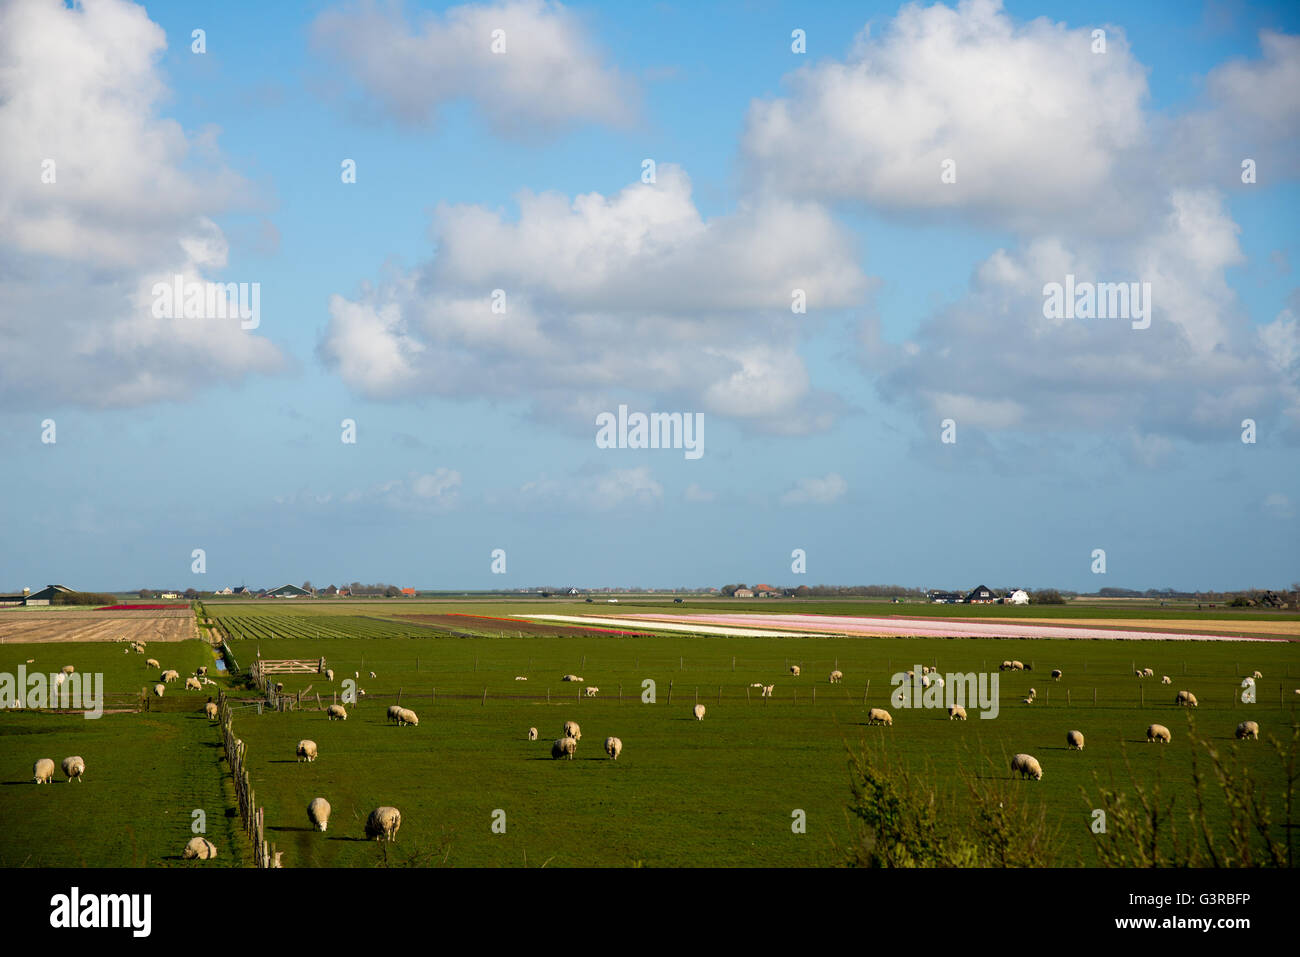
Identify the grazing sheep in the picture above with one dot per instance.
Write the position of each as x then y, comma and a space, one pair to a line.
407, 716
564, 747
373, 675
152, 663
1074, 740
613, 747
159, 688
1027, 700
384, 822
937, 680
532, 734
170, 675
356, 674
75, 766
207, 681
757, 684
767, 690
591, 692
201, 670
1258, 676
1186, 698
1166, 680
394, 710
571, 730
1056, 674
699, 712
1148, 673
193, 684
336, 712
956, 713
836, 675
199, 848
1005, 666
1028, 766
43, 771
1033, 693
1158, 732
1248, 729
1017, 666
880, 716
210, 709
329, 674
318, 812
520, 678
306, 751
794, 670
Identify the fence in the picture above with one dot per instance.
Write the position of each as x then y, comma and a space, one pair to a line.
250, 814
262, 668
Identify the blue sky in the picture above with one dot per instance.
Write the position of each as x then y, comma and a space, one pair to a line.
775, 169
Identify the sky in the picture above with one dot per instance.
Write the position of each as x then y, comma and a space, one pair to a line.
826, 233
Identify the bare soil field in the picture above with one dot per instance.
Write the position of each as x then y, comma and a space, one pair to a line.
44, 625
1284, 628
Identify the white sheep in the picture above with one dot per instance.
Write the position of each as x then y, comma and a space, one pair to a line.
1017, 665
318, 812
1056, 674
75, 767
520, 678
880, 716
532, 734
1258, 676
757, 684
329, 674
394, 710
210, 709
193, 684
591, 692
564, 747
1074, 740
1028, 766
336, 712
1166, 680
938, 681
200, 671
69, 669
1005, 666
767, 690
59, 679
1158, 732
1148, 673
1186, 698
699, 712
43, 771
306, 751
159, 688
836, 675
956, 713
794, 670
383, 823
571, 730
170, 675
373, 675
571, 678
407, 716
1027, 700
152, 663
1248, 729
613, 747
199, 848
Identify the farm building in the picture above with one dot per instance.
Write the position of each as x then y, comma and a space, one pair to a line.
767, 591
408, 592
981, 596
1017, 597
288, 591
945, 597
743, 593
42, 597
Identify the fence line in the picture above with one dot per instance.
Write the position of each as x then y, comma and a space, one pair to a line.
250, 814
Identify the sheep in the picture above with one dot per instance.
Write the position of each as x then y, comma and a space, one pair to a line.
767, 690
1074, 740
207, 681
75, 766
336, 712
836, 675
356, 674
210, 709
613, 747
1158, 732
571, 678
1027, 700
152, 663
200, 671
1017, 665
571, 730
757, 684
318, 812
170, 675
1166, 680
1005, 666
1186, 698
59, 679
69, 669
564, 747
1056, 674
591, 692
794, 670
329, 674
199, 848
383, 823
1248, 729
43, 771
394, 711
956, 713
406, 716
521, 678
193, 684
699, 712
373, 675
938, 681
159, 688
1258, 676
880, 716
1033, 693
532, 734
306, 751
1028, 766
275, 859
1148, 673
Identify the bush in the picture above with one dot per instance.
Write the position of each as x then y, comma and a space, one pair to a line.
83, 598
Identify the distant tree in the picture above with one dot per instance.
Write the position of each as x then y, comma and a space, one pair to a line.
1046, 596
191, 593
306, 586
392, 591
147, 593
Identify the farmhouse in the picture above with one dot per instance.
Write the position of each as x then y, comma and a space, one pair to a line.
288, 591
767, 591
743, 593
408, 592
1017, 597
981, 596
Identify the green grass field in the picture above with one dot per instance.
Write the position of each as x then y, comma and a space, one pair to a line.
717, 792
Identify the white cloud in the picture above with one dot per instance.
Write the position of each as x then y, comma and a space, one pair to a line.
816, 491
130, 204
599, 491
549, 76
607, 299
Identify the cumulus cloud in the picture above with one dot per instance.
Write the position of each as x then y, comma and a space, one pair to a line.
101, 197
549, 76
816, 491
603, 299
596, 491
